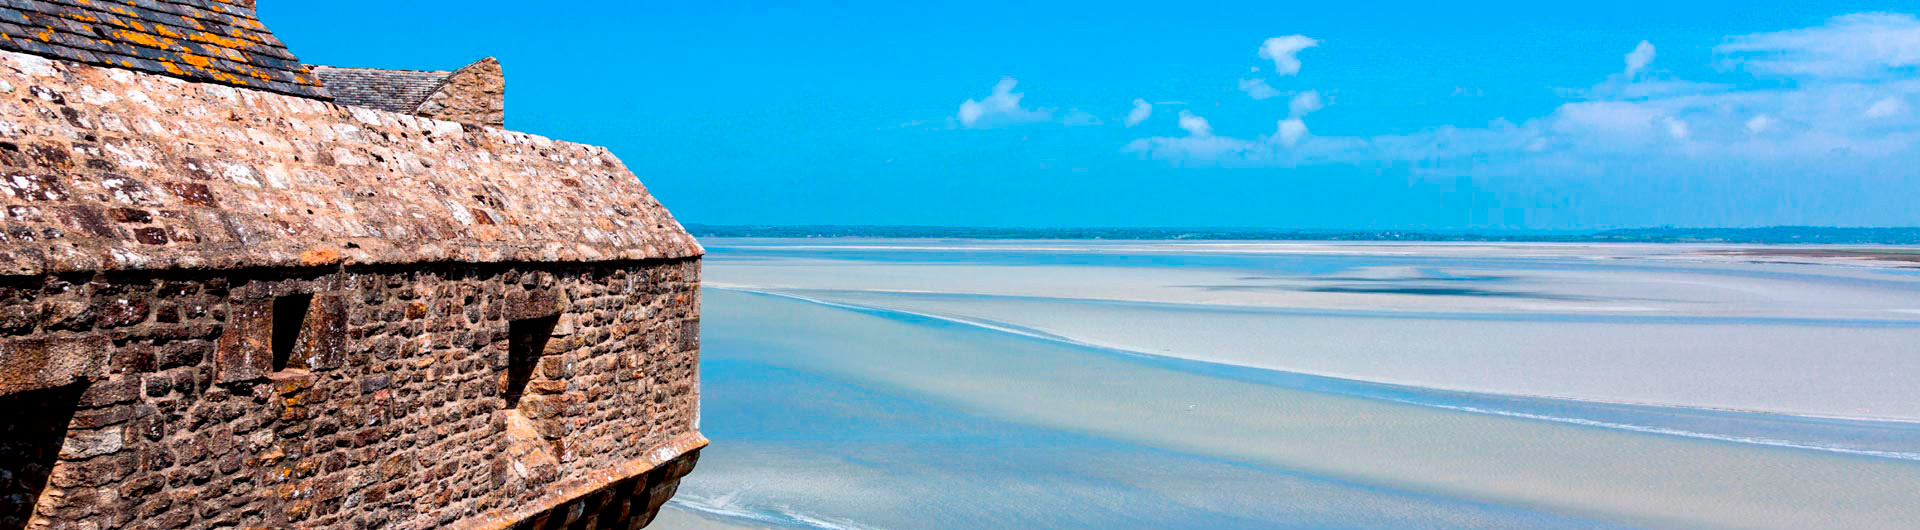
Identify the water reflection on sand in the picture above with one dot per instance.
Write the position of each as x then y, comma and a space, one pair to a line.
1097, 386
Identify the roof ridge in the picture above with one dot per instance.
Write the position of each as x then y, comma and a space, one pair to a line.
379, 69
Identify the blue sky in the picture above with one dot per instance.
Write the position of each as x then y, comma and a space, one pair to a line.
1535, 115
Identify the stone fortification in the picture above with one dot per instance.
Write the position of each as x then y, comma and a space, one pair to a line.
225, 305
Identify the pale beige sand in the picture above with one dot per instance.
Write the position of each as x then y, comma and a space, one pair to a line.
677, 518
1656, 292
1806, 368
1631, 477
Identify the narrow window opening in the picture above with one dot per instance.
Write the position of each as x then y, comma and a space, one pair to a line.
526, 340
289, 317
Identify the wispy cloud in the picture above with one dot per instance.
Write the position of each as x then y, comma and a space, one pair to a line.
1201, 144
1283, 51
1141, 111
1195, 125
1857, 46
1304, 103
1001, 108
1081, 118
1257, 88
1847, 105
1639, 58
1886, 107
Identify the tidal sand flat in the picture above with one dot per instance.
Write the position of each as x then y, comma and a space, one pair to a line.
947, 401
1634, 324
850, 450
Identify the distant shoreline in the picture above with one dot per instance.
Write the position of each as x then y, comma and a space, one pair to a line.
1777, 235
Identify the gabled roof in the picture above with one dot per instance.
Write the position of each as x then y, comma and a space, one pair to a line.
474, 94
201, 176
399, 91
212, 41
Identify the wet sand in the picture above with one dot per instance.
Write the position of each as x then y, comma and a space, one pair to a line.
1537, 467
1616, 325
1096, 385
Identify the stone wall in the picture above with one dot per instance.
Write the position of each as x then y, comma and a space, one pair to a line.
224, 307
403, 396
475, 94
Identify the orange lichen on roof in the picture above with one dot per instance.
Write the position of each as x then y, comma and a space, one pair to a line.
190, 39
141, 39
128, 22
217, 40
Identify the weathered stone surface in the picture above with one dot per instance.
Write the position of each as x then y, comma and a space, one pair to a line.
237, 178
475, 94
34, 363
226, 308
416, 436
245, 351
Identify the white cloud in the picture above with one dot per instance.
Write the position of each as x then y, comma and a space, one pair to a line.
1304, 103
1658, 126
1676, 128
1887, 107
1291, 131
1081, 118
1612, 119
1857, 46
1194, 124
1639, 58
1000, 109
1257, 88
1141, 111
1283, 50
1200, 144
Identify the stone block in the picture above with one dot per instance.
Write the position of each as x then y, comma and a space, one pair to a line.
245, 349
45, 362
83, 444
533, 303
323, 337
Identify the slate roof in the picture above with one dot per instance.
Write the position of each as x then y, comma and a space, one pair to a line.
399, 91
213, 41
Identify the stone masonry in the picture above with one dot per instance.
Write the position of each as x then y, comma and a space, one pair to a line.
474, 94
229, 307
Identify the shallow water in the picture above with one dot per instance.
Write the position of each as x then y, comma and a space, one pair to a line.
836, 408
